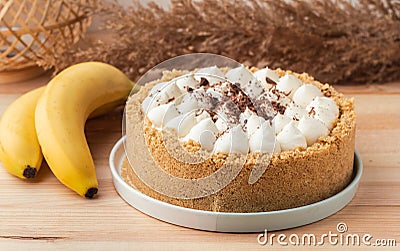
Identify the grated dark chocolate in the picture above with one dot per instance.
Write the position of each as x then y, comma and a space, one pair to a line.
235, 101
311, 112
278, 107
270, 81
213, 115
204, 82
230, 111
239, 97
265, 109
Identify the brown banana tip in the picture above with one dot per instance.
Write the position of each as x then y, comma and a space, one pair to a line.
91, 192
29, 172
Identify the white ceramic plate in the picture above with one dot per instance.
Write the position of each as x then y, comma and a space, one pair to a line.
230, 222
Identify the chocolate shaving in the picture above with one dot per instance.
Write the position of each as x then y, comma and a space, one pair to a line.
213, 115
214, 102
312, 112
198, 112
171, 99
230, 110
270, 81
287, 94
327, 93
278, 107
275, 91
264, 108
204, 82
239, 97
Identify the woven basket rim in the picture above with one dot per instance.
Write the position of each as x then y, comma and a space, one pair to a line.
41, 31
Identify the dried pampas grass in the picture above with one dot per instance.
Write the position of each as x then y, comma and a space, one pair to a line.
334, 41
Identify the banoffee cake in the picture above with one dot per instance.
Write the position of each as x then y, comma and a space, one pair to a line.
271, 139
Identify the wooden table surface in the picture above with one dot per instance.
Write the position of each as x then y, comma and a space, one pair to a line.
44, 214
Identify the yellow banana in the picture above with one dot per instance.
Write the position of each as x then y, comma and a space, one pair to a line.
60, 118
19, 147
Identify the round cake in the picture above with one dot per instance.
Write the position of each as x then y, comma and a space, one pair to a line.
238, 140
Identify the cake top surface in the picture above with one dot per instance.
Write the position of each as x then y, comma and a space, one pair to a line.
236, 110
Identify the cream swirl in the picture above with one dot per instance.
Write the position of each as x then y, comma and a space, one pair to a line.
254, 122
235, 141
204, 132
312, 129
182, 124
265, 76
280, 121
291, 137
239, 75
324, 109
161, 114
187, 81
263, 139
213, 74
305, 94
288, 84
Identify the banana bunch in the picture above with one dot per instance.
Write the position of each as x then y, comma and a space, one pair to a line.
49, 121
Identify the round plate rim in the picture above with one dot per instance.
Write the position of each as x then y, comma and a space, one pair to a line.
122, 188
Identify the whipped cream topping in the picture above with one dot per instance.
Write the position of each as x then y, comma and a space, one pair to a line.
187, 104
312, 129
221, 125
280, 121
253, 123
305, 94
324, 109
234, 140
161, 114
291, 137
204, 132
295, 112
182, 124
264, 140
240, 75
213, 74
241, 111
267, 77
288, 84
186, 82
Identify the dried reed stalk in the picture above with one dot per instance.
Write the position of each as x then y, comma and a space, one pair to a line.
335, 41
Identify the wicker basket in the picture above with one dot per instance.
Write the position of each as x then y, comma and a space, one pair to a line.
31, 30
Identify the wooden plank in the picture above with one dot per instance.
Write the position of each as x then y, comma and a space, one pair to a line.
45, 215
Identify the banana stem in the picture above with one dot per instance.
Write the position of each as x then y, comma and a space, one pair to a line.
29, 172
91, 192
